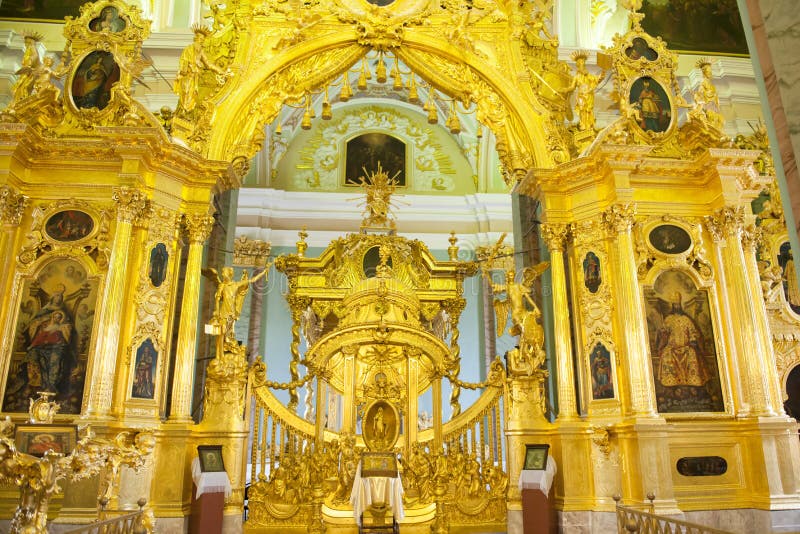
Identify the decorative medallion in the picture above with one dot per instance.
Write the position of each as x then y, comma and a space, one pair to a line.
670, 239
91, 85
651, 105
69, 225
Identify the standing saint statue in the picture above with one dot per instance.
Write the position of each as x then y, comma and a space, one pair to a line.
706, 98
191, 66
26, 74
585, 84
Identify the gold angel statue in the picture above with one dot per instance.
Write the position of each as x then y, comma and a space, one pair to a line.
229, 297
525, 316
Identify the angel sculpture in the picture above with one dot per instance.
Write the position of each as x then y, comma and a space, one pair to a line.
229, 297
525, 315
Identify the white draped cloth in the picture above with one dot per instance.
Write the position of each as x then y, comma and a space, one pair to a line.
369, 490
539, 479
216, 482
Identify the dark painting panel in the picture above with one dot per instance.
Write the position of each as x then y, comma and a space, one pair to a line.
640, 49
365, 152
91, 85
69, 225
602, 376
670, 239
40, 9
108, 21
159, 258
682, 349
651, 105
592, 277
791, 289
690, 25
702, 466
52, 337
145, 371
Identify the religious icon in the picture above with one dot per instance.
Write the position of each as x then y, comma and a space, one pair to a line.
158, 264
591, 272
210, 458
536, 457
91, 85
69, 225
682, 348
791, 289
602, 381
380, 427
145, 371
651, 105
670, 239
368, 150
640, 49
53, 332
108, 21
38, 439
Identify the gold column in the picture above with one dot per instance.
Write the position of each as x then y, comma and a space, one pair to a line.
556, 236
412, 388
436, 390
618, 220
726, 227
349, 386
130, 205
198, 226
749, 241
12, 206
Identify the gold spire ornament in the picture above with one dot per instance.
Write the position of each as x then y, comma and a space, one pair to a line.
379, 188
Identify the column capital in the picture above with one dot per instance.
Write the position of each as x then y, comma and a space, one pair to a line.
752, 236
726, 222
131, 203
556, 236
619, 218
198, 226
12, 205
454, 307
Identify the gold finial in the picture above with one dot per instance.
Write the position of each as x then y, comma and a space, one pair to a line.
30, 34
201, 29
452, 250
302, 246
580, 54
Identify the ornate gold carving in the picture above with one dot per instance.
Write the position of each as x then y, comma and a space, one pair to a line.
556, 236
12, 206
619, 218
585, 83
193, 67
379, 188
726, 222
42, 409
198, 226
131, 204
250, 252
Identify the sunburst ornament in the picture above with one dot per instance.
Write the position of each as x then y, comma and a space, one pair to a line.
379, 188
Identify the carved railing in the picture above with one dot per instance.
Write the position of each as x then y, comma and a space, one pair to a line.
123, 522
631, 520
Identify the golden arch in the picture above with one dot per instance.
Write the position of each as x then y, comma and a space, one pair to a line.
509, 107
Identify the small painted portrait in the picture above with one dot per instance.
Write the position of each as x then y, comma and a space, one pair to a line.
108, 21
670, 239
92, 83
210, 458
69, 225
145, 371
651, 105
536, 457
364, 152
602, 376
591, 272
640, 49
53, 333
682, 348
159, 258
38, 439
791, 289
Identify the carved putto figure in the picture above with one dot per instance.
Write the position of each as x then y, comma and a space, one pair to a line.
585, 84
524, 318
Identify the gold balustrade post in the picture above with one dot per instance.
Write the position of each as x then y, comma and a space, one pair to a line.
726, 227
198, 226
556, 236
130, 205
618, 220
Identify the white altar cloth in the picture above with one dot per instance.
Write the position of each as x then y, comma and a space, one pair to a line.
368, 490
540, 479
215, 482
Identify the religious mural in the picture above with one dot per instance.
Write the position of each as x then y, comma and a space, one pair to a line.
791, 290
52, 337
69, 225
108, 21
145, 371
366, 151
670, 239
158, 264
40, 9
602, 377
651, 105
91, 85
691, 25
682, 348
591, 272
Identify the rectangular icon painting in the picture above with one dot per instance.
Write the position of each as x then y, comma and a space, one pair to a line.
145, 371
52, 337
682, 349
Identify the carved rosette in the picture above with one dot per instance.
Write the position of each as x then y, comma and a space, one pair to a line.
131, 204
198, 227
12, 206
619, 218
